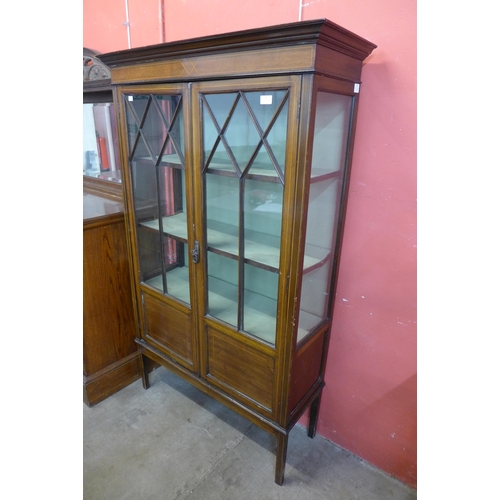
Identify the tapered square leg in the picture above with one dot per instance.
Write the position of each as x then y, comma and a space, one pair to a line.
313, 416
143, 363
281, 449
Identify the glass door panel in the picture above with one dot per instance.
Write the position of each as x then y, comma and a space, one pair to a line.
222, 213
243, 164
260, 302
243, 130
216, 154
223, 288
270, 111
156, 157
262, 216
331, 129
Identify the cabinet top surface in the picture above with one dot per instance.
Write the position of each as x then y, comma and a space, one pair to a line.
316, 32
95, 206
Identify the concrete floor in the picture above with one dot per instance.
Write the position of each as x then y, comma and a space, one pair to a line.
172, 442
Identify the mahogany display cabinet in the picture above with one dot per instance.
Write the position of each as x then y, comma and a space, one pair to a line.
236, 153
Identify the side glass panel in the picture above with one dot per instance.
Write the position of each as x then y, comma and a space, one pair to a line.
244, 138
156, 156
331, 129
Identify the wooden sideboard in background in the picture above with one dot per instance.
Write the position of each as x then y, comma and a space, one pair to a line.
110, 357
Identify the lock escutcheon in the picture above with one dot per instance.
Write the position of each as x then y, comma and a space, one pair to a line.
195, 253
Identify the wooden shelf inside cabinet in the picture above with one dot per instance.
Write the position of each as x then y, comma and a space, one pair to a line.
235, 286
221, 166
178, 283
261, 311
172, 160
223, 240
173, 226
318, 175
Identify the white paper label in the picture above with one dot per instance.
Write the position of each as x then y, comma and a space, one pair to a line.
266, 99
356, 88
130, 98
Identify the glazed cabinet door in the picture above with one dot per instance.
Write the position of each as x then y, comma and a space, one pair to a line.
242, 157
159, 187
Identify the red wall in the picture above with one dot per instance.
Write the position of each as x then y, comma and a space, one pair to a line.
369, 402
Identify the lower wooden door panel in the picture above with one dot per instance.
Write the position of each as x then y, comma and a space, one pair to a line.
241, 370
170, 329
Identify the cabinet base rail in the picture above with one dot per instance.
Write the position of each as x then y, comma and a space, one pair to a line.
111, 379
148, 352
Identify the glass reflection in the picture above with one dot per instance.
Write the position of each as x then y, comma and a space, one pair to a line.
100, 142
